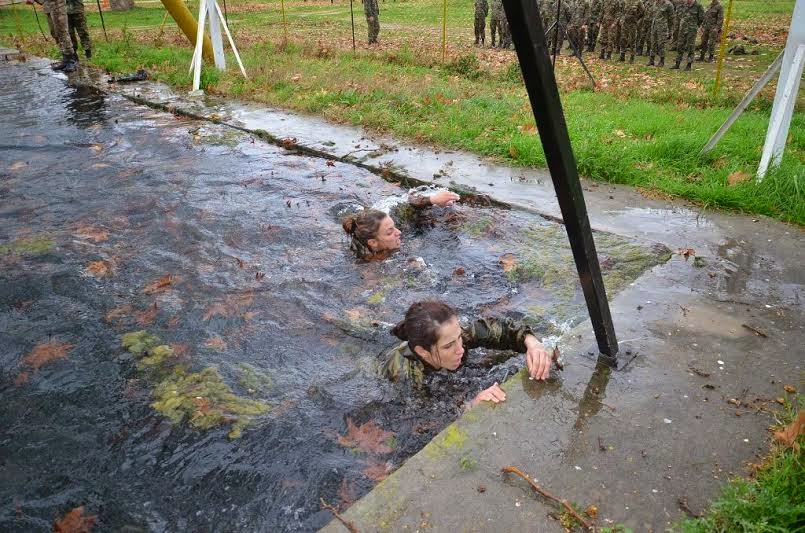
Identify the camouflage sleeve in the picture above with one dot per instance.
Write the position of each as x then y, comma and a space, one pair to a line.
699, 14
419, 201
497, 334
396, 367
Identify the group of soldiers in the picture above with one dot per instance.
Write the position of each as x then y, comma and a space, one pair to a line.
625, 27
67, 24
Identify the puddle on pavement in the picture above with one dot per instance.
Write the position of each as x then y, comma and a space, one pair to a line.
225, 252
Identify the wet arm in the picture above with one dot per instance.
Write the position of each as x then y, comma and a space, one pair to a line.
498, 334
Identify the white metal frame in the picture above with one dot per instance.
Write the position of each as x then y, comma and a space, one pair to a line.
208, 9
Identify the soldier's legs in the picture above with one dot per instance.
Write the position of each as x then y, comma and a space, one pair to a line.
52, 28
493, 28
58, 15
715, 36
71, 32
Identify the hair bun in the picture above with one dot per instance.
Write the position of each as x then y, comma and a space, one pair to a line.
349, 224
399, 331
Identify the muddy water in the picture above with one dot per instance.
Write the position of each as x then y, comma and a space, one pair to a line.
116, 219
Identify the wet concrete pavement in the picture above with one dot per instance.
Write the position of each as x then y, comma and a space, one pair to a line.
631, 441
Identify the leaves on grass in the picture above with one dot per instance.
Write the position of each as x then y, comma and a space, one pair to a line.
74, 522
790, 433
738, 177
686, 252
90, 233
508, 262
159, 285
368, 438
790, 389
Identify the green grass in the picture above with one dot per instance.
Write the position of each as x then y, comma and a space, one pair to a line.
772, 502
645, 129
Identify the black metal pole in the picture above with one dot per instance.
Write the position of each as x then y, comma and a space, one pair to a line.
36, 15
352, 16
529, 43
103, 25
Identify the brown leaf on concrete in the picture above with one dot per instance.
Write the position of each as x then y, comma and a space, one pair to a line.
90, 233
99, 269
508, 262
159, 284
591, 511
738, 177
789, 434
790, 389
45, 353
74, 522
369, 438
686, 252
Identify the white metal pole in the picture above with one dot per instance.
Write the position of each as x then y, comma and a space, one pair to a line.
215, 35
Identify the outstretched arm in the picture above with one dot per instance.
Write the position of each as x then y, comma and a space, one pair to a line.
441, 199
505, 335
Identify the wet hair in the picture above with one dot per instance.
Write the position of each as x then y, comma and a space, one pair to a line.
361, 227
422, 323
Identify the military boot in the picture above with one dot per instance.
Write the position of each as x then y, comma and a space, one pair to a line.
650, 61
69, 63
622, 58
88, 53
676, 64
689, 65
662, 61
710, 58
701, 55
603, 55
609, 55
631, 59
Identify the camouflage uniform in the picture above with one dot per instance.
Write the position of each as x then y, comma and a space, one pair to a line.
711, 32
678, 4
372, 11
662, 18
593, 24
634, 13
691, 18
77, 23
579, 17
565, 14
481, 11
644, 29
57, 21
401, 365
609, 27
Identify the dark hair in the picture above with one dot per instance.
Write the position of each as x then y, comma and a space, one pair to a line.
422, 323
363, 226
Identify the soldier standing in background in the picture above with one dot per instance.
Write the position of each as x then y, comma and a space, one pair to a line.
634, 12
594, 24
711, 33
692, 17
662, 18
579, 20
644, 29
609, 27
675, 29
372, 11
495, 27
77, 23
481, 11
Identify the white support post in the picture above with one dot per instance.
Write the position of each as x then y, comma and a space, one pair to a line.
202, 16
215, 35
787, 89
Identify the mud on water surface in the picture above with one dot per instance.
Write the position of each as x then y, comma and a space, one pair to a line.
187, 343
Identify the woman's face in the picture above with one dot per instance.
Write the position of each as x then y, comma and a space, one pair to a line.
387, 239
449, 348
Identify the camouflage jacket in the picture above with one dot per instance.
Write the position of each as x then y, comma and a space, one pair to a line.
481, 8
714, 16
73, 7
596, 6
663, 14
613, 10
691, 16
401, 364
634, 10
497, 9
580, 14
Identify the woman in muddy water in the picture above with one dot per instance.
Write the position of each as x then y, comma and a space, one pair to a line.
434, 340
374, 233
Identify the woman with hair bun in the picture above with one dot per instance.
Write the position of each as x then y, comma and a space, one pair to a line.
374, 232
433, 340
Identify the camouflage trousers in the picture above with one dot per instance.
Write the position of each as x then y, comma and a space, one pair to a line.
77, 29
609, 35
686, 43
498, 26
57, 20
643, 37
710, 36
628, 42
480, 29
576, 36
659, 39
592, 35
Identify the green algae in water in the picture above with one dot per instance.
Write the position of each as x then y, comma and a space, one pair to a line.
157, 357
205, 402
28, 246
139, 342
253, 380
376, 298
478, 228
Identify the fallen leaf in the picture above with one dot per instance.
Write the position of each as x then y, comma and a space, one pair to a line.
620, 133
43, 354
289, 142
375, 470
346, 494
330, 163
790, 389
738, 177
591, 511
21, 379
369, 438
159, 285
789, 434
118, 313
216, 343
91, 233
686, 252
147, 316
230, 306
508, 262
74, 522
99, 269
459, 271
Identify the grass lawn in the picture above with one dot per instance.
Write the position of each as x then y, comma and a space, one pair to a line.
642, 126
